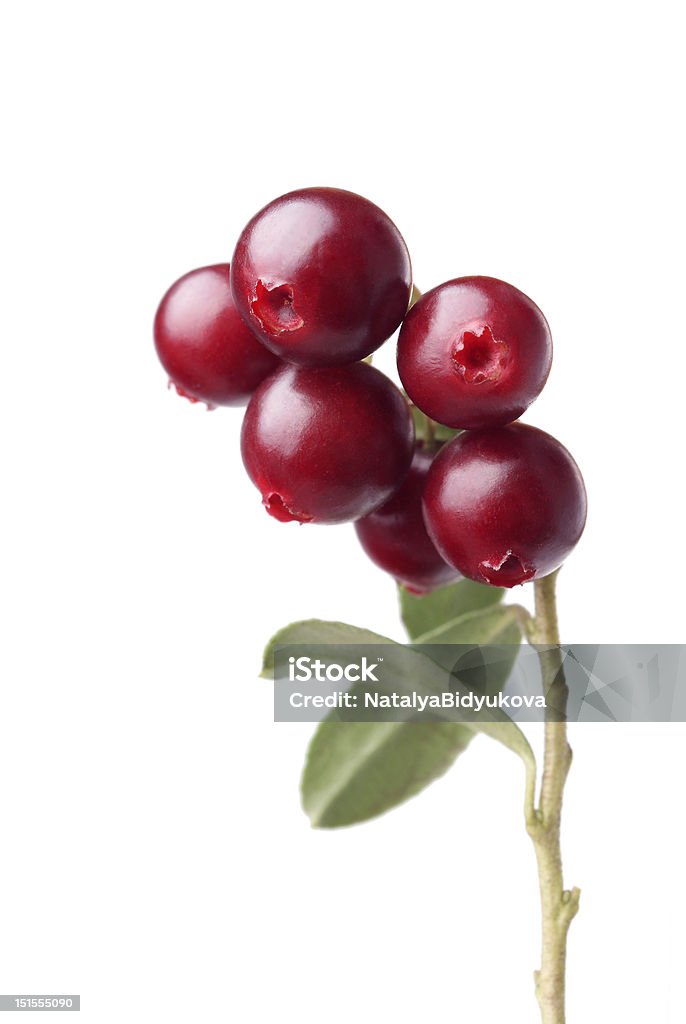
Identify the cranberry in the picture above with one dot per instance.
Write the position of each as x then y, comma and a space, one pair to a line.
395, 537
326, 445
203, 344
322, 276
474, 352
505, 505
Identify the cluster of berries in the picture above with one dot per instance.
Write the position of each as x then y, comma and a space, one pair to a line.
319, 279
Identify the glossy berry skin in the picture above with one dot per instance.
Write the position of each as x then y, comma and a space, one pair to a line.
505, 505
395, 537
326, 445
203, 344
474, 352
322, 276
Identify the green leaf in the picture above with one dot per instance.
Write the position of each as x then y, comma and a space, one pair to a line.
495, 625
317, 631
357, 770
496, 628
512, 737
423, 614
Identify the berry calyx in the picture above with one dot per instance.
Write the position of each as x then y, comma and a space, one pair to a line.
479, 357
474, 352
273, 308
326, 445
203, 343
395, 537
506, 505
322, 276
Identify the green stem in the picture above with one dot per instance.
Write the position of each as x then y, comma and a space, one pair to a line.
558, 905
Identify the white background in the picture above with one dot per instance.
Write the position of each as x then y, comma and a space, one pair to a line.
153, 855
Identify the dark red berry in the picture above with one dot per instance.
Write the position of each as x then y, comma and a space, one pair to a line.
326, 445
322, 276
505, 505
395, 537
203, 344
474, 352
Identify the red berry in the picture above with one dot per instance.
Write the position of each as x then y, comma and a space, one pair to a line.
395, 537
203, 344
326, 445
505, 505
474, 352
322, 276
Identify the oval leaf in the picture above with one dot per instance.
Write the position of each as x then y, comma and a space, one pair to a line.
496, 628
317, 631
357, 770
445, 604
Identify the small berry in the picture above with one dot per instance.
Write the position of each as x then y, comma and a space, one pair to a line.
474, 352
326, 445
203, 344
322, 276
505, 505
395, 537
